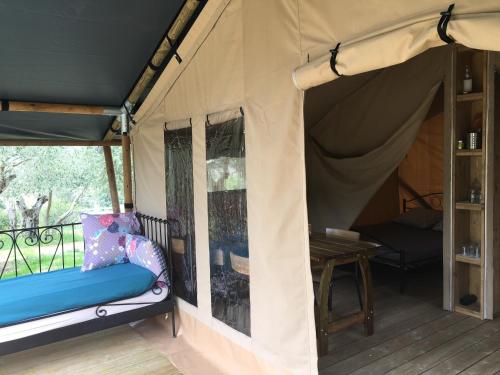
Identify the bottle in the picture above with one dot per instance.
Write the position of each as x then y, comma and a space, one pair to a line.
467, 80
475, 192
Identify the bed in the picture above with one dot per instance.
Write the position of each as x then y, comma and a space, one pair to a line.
41, 308
412, 240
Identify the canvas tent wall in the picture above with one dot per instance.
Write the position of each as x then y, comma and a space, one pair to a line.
241, 53
351, 152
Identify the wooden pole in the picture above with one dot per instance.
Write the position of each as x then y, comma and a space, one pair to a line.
12, 106
127, 173
46, 142
110, 170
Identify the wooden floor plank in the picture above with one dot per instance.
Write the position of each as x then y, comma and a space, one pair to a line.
486, 366
383, 353
410, 320
115, 351
390, 307
387, 312
434, 356
467, 357
413, 334
419, 346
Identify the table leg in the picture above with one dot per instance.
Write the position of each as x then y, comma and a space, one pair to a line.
364, 265
323, 318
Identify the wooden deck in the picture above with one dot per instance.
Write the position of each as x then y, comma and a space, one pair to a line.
413, 335
118, 350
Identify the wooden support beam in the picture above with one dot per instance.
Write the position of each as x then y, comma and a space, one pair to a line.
46, 142
77, 109
115, 126
127, 173
110, 171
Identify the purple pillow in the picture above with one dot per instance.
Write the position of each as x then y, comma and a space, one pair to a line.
105, 238
148, 254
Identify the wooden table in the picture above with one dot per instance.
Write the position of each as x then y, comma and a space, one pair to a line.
329, 252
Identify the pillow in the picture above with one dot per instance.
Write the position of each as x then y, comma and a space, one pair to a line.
421, 218
105, 238
148, 254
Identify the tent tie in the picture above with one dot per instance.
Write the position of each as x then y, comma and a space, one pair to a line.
333, 60
176, 54
152, 66
443, 25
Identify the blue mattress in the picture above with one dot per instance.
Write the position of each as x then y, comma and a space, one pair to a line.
33, 296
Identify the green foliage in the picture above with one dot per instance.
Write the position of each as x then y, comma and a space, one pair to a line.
45, 257
64, 171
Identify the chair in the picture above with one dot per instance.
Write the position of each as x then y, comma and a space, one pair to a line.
338, 275
349, 234
220, 285
183, 266
241, 266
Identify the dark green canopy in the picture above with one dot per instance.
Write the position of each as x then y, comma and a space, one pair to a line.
75, 52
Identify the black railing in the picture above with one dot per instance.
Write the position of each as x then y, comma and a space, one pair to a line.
43, 249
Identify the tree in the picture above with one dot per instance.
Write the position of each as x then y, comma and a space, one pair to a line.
7, 170
31, 215
76, 176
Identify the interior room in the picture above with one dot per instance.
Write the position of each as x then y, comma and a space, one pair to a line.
381, 171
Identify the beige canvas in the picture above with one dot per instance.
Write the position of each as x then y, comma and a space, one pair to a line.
243, 53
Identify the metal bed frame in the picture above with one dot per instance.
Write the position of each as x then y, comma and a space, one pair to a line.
155, 229
403, 266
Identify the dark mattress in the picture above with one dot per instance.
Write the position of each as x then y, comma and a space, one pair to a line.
418, 244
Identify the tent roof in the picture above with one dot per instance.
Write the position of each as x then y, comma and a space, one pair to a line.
75, 52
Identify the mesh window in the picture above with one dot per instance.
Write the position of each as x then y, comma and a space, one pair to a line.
227, 224
180, 210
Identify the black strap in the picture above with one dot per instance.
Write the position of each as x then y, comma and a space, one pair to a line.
333, 60
177, 56
152, 66
128, 205
443, 25
5, 105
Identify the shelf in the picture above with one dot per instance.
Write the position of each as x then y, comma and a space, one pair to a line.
477, 152
471, 97
469, 206
468, 260
472, 310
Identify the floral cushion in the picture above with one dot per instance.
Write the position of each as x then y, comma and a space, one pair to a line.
105, 238
148, 254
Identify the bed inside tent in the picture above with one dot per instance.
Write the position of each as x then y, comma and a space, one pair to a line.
390, 156
374, 159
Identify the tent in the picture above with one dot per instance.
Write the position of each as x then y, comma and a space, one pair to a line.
220, 94
260, 56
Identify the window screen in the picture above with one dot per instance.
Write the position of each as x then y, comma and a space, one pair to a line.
227, 224
180, 210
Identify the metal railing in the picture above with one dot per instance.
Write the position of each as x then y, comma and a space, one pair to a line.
28, 251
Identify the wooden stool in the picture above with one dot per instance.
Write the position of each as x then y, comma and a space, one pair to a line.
331, 252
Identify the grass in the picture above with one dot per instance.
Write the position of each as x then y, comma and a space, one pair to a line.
41, 259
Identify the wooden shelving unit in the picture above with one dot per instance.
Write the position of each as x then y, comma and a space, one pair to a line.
469, 218
469, 206
469, 153
470, 97
468, 260
473, 223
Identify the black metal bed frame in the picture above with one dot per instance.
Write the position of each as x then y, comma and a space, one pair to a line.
403, 266
154, 228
